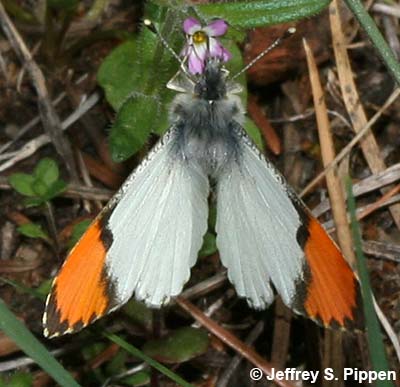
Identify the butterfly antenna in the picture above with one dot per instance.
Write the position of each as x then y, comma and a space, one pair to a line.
150, 25
289, 32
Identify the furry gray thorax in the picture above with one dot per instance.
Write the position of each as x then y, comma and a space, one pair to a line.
206, 120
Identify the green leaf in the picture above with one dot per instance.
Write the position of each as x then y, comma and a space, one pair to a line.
139, 313
374, 335
28, 343
134, 77
20, 379
118, 74
55, 189
40, 188
33, 230
22, 183
133, 126
77, 231
34, 202
141, 378
209, 245
66, 5
250, 14
254, 133
46, 171
179, 346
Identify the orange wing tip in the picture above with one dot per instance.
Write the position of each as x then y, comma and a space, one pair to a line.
332, 294
53, 325
81, 293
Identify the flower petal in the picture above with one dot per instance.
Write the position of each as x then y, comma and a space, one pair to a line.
196, 66
217, 50
191, 25
216, 28
226, 55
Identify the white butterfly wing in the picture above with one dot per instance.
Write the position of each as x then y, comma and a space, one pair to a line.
143, 243
158, 227
257, 225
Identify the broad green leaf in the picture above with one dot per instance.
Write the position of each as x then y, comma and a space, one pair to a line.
77, 231
55, 189
134, 78
133, 126
46, 171
119, 73
179, 346
40, 188
139, 313
28, 343
22, 183
250, 14
33, 230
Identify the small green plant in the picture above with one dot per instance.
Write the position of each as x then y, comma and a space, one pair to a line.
41, 186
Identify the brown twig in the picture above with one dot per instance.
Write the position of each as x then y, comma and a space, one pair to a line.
346, 150
352, 101
328, 155
223, 381
49, 117
230, 339
332, 354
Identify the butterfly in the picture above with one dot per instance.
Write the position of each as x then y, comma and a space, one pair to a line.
147, 238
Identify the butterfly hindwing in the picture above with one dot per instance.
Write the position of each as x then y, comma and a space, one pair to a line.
144, 242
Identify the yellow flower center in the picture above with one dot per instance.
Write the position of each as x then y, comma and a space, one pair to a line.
199, 37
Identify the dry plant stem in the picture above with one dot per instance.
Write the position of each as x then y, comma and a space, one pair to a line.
223, 381
371, 208
382, 250
346, 150
366, 185
334, 185
230, 339
51, 221
332, 354
49, 117
33, 145
36, 120
352, 101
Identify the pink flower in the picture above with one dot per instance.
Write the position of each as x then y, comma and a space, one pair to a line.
202, 43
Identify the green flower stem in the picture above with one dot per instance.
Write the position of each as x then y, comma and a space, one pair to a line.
376, 37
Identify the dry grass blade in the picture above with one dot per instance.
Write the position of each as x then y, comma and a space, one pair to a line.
230, 339
51, 121
352, 101
334, 184
333, 356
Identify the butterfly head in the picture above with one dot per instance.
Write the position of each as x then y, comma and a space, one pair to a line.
211, 85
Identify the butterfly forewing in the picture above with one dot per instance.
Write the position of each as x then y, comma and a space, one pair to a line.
267, 239
143, 243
